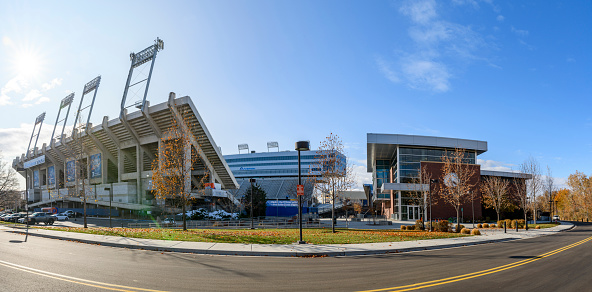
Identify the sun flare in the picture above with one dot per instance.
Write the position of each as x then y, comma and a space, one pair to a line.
27, 64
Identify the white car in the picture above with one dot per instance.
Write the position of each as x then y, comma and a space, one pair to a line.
60, 217
555, 218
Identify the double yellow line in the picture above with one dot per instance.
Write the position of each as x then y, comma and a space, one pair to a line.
101, 285
478, 274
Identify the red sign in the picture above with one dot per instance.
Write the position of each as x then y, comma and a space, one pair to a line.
300, 190
209, 186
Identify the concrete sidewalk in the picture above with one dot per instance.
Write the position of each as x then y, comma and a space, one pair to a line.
488, 236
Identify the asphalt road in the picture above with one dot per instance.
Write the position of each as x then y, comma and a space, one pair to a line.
561, 262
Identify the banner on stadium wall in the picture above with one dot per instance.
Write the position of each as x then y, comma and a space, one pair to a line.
71, 171
51, 176
36, 178
95, 165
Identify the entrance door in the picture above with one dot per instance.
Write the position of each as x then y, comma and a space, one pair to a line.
413, 212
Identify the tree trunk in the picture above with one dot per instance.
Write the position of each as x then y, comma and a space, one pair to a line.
525, 220
497, 217
333, 211
458, 219
184, 220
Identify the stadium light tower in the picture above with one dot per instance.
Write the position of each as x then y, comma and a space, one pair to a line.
66, 102
38, 121
88, 87
243, 147
273, 144
146, 55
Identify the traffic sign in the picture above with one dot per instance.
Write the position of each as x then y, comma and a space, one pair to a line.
300, 190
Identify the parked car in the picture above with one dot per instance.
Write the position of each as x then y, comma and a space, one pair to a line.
39, 217
72, 214
555, 218
60, 217
18, 216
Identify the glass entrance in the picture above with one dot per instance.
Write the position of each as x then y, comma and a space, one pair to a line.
413, 212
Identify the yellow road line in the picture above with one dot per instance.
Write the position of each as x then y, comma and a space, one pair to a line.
479, 273
75, 280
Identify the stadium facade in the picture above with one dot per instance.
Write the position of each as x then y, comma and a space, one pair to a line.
116, 159
395, 162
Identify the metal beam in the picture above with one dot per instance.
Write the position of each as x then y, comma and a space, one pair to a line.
153, 125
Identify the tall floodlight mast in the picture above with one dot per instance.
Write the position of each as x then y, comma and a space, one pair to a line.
38, 121
66, 102
88, 87
138, 59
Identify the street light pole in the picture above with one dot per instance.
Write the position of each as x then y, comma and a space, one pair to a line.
252, 180
26, 199
300, 146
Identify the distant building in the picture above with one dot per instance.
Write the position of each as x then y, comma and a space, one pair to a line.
395, 162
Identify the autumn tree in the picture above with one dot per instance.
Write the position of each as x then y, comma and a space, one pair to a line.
533, 185
174, 162
419, 193
458, 175
581, 195
495, 194
336, 173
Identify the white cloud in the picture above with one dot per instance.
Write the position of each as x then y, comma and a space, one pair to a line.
570, 60
32, 95
495, 165
14, 141
385, 69
53, 83
420, 11
423, 74
519, 32
500, 18
438, 46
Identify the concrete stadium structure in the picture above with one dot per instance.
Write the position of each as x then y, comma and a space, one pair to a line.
116, 157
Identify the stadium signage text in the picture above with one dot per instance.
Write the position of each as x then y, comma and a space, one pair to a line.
35, 161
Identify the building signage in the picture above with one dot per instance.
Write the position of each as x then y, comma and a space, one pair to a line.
282, 203
247, 168
51, 175
95, 165
71, 171
35, 161
36, 178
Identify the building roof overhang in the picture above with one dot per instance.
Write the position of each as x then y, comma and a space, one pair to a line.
382, 146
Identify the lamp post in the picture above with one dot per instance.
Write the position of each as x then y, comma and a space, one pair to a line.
300, 146
26, 199
252, 180
110, 189
431, 182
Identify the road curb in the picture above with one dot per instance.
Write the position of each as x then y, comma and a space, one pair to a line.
272, 253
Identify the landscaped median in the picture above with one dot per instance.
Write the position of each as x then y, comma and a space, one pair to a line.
266, 236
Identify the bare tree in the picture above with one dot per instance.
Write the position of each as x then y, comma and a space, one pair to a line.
533, 185
8, 184
458, 176
550, 189
495, 194
173, 166
336, 172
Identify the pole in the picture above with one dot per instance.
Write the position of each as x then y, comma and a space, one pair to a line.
473, 207
27, 202
251, 181
110, 202
299, 202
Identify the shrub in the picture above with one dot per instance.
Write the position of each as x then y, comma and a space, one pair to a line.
465, 231
403, 227
485, 225
520, 223
537, 227
460, 227
419, 225
410, 227
480, 226
442, 226
514, 223
493, 226
500, 223
475, 232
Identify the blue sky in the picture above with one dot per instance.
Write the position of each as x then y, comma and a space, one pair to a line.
516, 74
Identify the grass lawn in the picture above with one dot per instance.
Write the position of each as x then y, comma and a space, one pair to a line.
266, 236
542, 225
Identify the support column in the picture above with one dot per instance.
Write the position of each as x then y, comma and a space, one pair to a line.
139, 168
